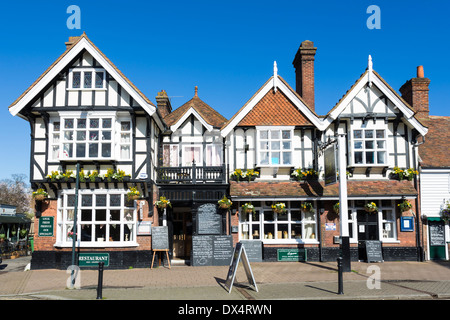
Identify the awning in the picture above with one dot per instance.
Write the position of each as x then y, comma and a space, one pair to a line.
14, 219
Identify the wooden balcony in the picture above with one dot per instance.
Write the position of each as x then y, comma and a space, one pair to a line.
191, 175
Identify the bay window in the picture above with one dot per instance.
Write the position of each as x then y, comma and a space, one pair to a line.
78, 136
105, 217
275, 146
369, 147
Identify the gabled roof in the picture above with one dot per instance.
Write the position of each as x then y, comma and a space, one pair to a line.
272, 108
209, 117
81, 43
373, 78
433, 152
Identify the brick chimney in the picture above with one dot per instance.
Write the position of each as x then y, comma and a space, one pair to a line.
304, 72
71, 41
163, 103
415, 92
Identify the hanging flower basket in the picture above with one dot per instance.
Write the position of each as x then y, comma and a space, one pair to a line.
371, 207
225, 203
307, 207
279, 208
405, 206
445, 212
336, 207
133, 194
248, 208
163, 203
40, 194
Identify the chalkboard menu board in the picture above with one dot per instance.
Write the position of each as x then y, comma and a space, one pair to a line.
211, 250
437, 234
373, 251
208, 220
253, 248
160, 238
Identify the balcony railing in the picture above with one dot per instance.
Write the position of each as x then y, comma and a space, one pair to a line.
191, 175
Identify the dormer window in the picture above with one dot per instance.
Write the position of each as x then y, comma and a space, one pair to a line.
87, 79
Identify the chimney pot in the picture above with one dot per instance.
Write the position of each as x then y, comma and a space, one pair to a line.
420, 73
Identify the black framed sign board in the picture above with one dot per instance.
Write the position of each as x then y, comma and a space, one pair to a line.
239, 252
373, 251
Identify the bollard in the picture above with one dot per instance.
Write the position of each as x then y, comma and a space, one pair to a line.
340, 281
100, 280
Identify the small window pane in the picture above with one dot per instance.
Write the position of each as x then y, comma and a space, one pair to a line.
81, 150
358, 144
275, 134
94, 123
71, 200
286, 134
86, 215
368, 134
81, 135
106, 123
381, 144
56, 126
86, 200
264, 158
93, 150
124, 152
76, 79
114, 200
275, 145
100, 215
381, 157
99, 79
275, 158
125, 125
68, 135
357, 134
369, 144
106, 150
100, 200
287, 158
286, 145
81, 123
68, 150
358, 157
370, 157
380, 134
68, 123
93, 135
115, 215
264, 134
88, 79
106, 135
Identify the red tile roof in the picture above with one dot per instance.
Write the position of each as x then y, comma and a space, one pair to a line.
275, 109
355, 188
208, 114
434, 153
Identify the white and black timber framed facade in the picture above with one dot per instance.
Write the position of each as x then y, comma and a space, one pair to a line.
84, 110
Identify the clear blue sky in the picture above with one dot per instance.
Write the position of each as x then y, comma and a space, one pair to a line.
226, 48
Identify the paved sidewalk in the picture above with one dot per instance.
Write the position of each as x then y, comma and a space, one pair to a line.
275, 281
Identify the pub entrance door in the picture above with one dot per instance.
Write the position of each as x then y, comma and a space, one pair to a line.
182, 233
367, 230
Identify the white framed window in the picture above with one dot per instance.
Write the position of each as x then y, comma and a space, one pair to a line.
295, 226
87, 138
125, 140
275, 146
192, 153
87, 79
369, 146
170, 155
105, 218
213, 155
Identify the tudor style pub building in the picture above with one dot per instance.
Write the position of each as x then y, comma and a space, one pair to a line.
84, 112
